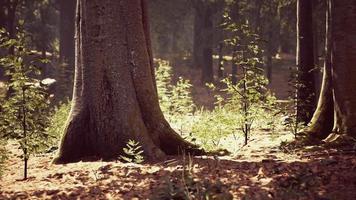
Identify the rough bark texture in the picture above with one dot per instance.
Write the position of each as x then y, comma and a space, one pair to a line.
323, 119
305, 62
344, 65
337, 96
115, 97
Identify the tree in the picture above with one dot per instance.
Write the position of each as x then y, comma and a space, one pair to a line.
115, 97
203, 38
66, 49
336, 109
67, 19
23, 116
305, 62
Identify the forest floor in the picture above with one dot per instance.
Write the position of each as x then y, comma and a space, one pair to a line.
261, 170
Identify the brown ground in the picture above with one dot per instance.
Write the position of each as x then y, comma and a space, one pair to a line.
260, 171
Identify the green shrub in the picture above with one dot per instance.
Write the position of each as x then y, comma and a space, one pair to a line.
58, 121
175, 99
212, 127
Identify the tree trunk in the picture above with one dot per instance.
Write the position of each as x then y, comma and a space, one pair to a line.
305, 62
323, 119
67, 19
115, 96
203, 40
198, 35
234, 67
67, 46
343, 62
207, 62
221, 61
338, 91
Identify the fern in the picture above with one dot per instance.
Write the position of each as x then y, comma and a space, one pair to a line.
133, 152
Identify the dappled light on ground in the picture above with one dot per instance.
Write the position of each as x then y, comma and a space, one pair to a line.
255, 173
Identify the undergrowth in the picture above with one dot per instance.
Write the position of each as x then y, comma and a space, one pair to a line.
188, 186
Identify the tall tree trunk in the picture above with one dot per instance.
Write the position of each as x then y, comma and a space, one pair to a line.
338, 91
221, 60
66, 45
343, 62
323, 119
305, 62
115, 96
198, 35
207, 62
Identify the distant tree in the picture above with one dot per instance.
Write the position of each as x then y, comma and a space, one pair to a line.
115, 97
66, 27
203, 38
65, 70
336, 111
305, 62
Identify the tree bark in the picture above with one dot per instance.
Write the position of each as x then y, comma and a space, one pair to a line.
337, 97
343, 62
323, 119
305, 62
114, 96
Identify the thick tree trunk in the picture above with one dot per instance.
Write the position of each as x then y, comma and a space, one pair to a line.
305, 62
337, 97
115, 97
323, 119
343, 55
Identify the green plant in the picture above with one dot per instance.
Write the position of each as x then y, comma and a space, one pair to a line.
250, 89
24, 114
292, 122
175, 99
212, 127
189, 187
58, 120
133, 152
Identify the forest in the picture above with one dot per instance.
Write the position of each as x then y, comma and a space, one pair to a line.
178, 99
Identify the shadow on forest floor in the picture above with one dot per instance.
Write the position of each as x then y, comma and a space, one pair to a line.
313, 176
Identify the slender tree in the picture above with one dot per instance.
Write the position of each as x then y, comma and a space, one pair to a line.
305, 62
337, 102
115, 97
